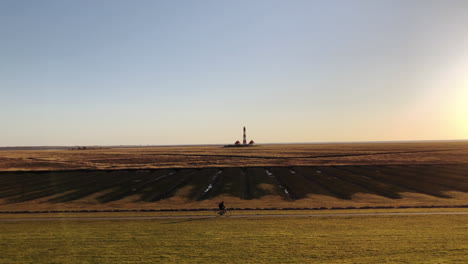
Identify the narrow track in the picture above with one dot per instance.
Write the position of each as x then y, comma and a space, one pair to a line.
233, 216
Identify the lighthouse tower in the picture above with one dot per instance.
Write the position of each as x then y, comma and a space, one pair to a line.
244, 142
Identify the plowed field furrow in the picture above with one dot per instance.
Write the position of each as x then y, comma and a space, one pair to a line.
136, 186
25, 181
366, 183
283, 184
398, 178
447, 173
159, 185
460, 168
330, 183
45, 178
376, 175
231, 182
428, 178
435, 176
199, 182
50, 187
19, 179
297, 182
249, 188
183, 178
373, 174
345, 177
106, 182
455, 169
208, 183
15, 190
452, 174
262, 184
245, 185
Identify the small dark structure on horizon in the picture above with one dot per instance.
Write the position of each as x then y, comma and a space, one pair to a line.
244, 142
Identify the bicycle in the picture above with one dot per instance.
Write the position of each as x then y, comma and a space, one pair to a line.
224, 212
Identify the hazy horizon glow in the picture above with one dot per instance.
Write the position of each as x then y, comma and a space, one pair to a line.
195, 72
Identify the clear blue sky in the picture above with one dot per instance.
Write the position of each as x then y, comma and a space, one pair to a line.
194, 72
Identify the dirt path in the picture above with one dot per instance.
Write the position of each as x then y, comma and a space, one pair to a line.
232, 216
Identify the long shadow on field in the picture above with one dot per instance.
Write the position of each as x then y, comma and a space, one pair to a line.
290, 183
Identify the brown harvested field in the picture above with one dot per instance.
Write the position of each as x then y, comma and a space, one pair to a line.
217, 156
271, 176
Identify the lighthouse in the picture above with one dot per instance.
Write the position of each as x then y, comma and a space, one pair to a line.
244, 142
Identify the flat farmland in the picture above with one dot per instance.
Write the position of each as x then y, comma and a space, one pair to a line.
70, 189
217, 156
240, 187
271, 176
331, 239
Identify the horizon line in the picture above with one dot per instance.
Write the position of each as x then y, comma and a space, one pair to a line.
222, 144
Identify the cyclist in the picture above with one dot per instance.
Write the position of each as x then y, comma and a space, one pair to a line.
222, 208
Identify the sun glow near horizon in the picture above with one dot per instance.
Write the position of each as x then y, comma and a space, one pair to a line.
460, 110
169, 73
455, 83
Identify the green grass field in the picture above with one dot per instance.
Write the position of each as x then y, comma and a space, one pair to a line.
376, 239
